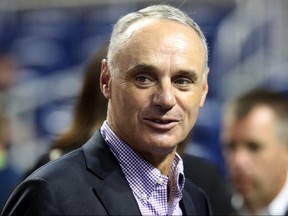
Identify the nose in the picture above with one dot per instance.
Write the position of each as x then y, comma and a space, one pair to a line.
164, 96
240, 159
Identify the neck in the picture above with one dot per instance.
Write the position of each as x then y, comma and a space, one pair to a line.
257, 206
162, 162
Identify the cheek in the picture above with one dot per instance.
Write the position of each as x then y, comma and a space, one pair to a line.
130, 100
279, 158
272, 156
190, 105
266, 165
192, 115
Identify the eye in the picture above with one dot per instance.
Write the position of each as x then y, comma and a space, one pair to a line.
253, 146
144, 80
183, 83
230, 146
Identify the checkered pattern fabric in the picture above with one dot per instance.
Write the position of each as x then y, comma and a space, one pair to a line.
149, 186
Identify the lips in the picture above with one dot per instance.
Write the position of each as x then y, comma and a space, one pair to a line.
161, 123
242, 182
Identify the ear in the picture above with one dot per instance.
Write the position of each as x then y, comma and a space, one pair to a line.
205, 87
105, 79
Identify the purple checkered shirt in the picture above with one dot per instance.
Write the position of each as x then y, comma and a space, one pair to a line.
149, 186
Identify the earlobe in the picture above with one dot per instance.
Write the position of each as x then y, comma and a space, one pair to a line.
105, 79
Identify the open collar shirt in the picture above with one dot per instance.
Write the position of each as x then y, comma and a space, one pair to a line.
279, 206
150, 188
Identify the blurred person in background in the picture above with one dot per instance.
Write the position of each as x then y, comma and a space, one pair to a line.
89, 114
208, 177
7, 70
9, 175
116, 172
255, 143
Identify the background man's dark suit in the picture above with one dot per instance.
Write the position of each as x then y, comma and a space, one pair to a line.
97, 186
208, 177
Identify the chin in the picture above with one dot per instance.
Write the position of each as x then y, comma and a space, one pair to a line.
164, 142
160, 145
162, 151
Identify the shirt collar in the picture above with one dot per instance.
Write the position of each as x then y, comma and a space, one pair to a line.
278, 206
140, 174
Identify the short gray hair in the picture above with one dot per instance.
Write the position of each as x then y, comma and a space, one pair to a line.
241, 106
156, 11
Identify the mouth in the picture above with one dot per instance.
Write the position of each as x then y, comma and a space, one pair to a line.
160, 123
242, 182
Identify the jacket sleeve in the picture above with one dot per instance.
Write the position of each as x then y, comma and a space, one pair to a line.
32, 197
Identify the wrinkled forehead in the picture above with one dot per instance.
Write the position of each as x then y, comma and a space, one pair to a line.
150, 27
160, 36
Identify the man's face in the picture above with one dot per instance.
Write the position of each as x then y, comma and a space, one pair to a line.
256, 158
158, 86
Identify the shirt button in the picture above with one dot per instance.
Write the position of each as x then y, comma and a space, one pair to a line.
144, 197
160, 180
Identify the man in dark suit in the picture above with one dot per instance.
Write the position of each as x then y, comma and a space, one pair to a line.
208, 177
88, 181
255, 142
156, 82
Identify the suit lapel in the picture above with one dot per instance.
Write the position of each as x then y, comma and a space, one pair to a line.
113, 189
116, 195
187, 204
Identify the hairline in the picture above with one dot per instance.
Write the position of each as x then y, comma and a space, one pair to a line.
243, 106
164, 12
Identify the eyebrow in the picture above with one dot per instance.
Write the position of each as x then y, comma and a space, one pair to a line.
147, 67
190, 73
141, 67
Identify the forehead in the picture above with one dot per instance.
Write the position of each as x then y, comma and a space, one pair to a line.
259, 125
149, 30
260, 116
151, 39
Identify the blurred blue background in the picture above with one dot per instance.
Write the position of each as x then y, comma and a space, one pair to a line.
50, 41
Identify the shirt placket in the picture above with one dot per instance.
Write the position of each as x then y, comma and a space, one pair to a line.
160, 195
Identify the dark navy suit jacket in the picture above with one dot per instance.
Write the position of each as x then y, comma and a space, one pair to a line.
87, 181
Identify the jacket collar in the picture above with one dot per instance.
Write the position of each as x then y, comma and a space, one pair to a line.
113, 190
